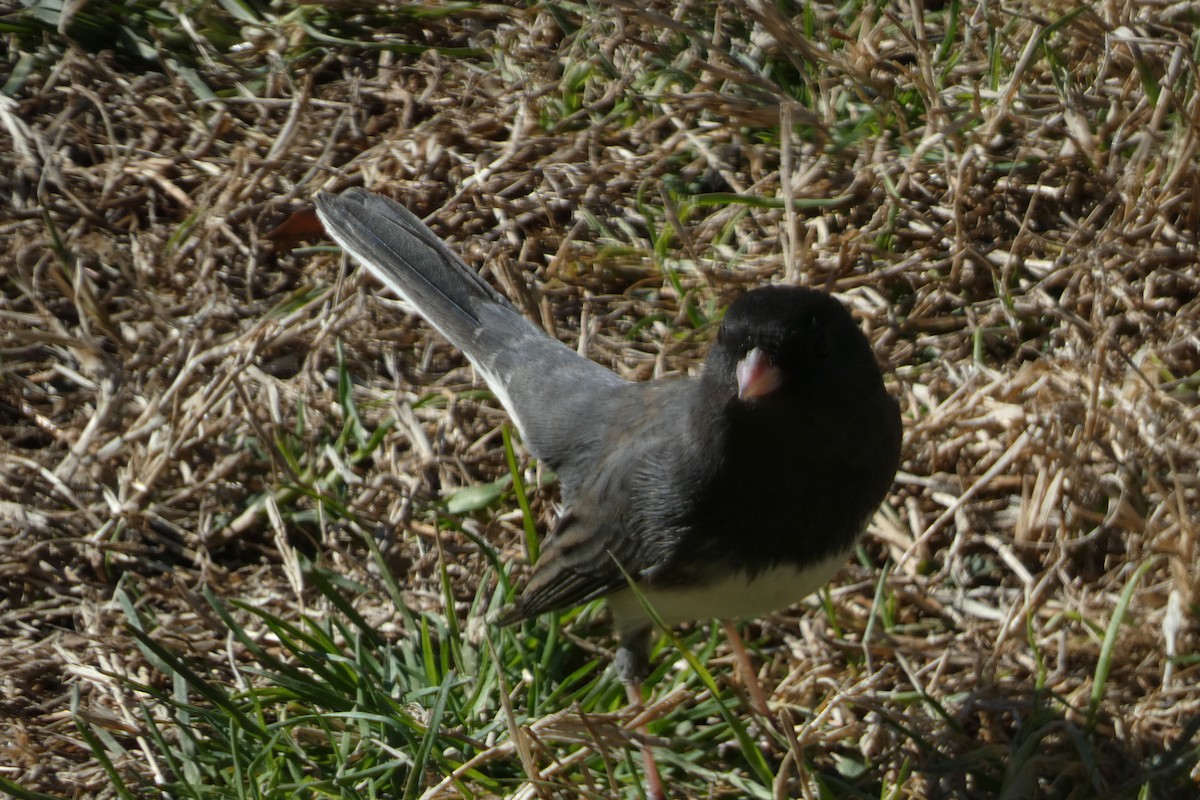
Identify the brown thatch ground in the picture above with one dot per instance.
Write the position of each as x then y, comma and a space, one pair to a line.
1017, 232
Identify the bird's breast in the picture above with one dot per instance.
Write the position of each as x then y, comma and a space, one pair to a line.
726, 594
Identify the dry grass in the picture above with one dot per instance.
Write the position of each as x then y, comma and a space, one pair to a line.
1014, 218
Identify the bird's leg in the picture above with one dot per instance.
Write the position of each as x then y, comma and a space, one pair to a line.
758, 698
631, 663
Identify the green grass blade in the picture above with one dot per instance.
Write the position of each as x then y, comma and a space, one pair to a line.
532, 547
1108, 648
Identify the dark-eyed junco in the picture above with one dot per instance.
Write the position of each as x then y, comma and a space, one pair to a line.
730, 494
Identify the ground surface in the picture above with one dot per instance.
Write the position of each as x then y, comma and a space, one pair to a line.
210, 430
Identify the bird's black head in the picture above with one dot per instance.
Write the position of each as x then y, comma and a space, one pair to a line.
803, 439
786, 343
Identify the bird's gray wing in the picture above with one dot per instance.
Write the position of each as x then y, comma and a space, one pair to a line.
630, 513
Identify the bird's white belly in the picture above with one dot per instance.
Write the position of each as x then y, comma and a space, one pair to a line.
734, 596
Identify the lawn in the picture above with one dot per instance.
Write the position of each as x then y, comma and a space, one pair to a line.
254, 515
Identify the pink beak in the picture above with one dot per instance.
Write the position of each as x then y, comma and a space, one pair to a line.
757, 376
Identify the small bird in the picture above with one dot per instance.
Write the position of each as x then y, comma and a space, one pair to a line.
729, 494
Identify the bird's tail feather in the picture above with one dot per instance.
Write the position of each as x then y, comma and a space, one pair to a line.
400, 250
545, 386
